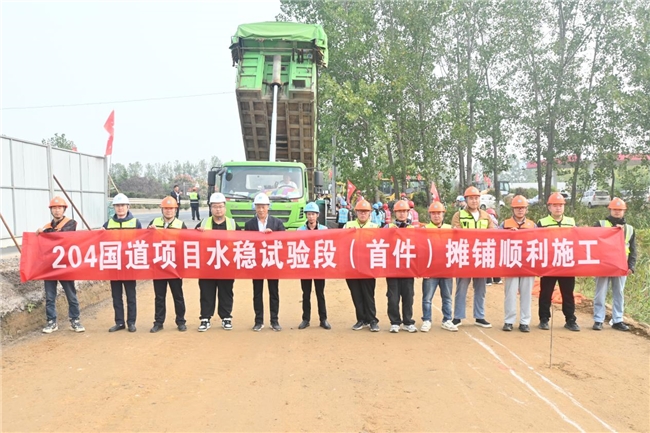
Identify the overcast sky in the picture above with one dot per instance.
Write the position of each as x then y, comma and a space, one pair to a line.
63, 53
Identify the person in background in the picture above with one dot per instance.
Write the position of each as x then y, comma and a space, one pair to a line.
461, 203
616, 218
176, 194
556, 219
375, 216
518, 285
265, 223
312, 211
400, 287
429, 285
195, 198
387, 213
342, 215
472, 218
363, 290
123, 219
212, 289
168, 221
413, 217
60, 223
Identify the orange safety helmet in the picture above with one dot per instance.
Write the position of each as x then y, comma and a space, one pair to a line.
617, 204
436, 206
169, 202
58, 201
400, 205
519, 201
556, 198
363, 205
472, 191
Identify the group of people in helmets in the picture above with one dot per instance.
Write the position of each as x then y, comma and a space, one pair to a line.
217, 294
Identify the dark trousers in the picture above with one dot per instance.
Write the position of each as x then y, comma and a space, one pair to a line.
319, 285
258, 300
178, 209
210, 289
547, 285
400, 288
363, 297
160, 290
118, 302
341, 225
195, 211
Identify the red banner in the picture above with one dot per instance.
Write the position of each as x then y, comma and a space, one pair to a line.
329, 254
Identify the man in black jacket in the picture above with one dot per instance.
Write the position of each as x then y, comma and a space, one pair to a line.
176, 194
263, 222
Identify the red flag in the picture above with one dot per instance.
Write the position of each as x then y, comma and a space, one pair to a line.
74, 148
109, 127
434, 192
351, 189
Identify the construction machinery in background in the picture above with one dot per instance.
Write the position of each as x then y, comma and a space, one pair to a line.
277, 98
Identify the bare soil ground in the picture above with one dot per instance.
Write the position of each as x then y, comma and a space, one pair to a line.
317, 380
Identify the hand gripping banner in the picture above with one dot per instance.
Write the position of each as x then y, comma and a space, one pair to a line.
328, 254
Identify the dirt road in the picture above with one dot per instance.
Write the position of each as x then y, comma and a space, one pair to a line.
317, 380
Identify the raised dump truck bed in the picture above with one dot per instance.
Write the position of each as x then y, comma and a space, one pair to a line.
301, 47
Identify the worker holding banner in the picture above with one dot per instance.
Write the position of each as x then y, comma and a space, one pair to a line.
616, 218
401, 287
363, 289
429, 285
555, 219
60, 223
265, 223
312, 211
213, 289
472, 217
518, 285
123, 219
168, 220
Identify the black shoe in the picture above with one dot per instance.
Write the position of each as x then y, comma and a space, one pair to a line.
524, 328
182, 327
483, 323
456, 322
374, 327
276, 326
620, 326
358, 326
507, 327
156, 328
303, 324
325, 324
116, 328
572, 326
543, 324
132, 327
258, 327
598, 326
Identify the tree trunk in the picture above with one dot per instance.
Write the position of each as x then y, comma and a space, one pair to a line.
538, 145
574, 180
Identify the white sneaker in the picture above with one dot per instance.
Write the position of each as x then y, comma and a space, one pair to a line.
394, 329
449, 326
410, 328
426, 326
227, 324
204, 326
76, 326
50, 327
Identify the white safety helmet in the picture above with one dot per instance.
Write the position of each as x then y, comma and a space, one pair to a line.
217, 197
120, 199
261, 198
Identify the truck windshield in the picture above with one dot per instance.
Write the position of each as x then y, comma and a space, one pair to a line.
276, 182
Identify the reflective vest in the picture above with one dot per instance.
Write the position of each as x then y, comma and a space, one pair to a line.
116, 225
343, 215
194, 197
230, 224
355, 225
395, 226
160, 223
318, 227
467, 221
433, 226
510, 223
375, 217
628, 230
415, 217
548, 221
59, 226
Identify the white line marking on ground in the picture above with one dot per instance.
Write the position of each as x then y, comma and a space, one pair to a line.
528, 385
558, 388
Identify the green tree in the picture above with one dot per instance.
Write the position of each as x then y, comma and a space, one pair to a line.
59, 141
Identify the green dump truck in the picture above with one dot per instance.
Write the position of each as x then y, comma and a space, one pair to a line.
276, 97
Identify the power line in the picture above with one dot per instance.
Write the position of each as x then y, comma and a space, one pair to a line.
116, 102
